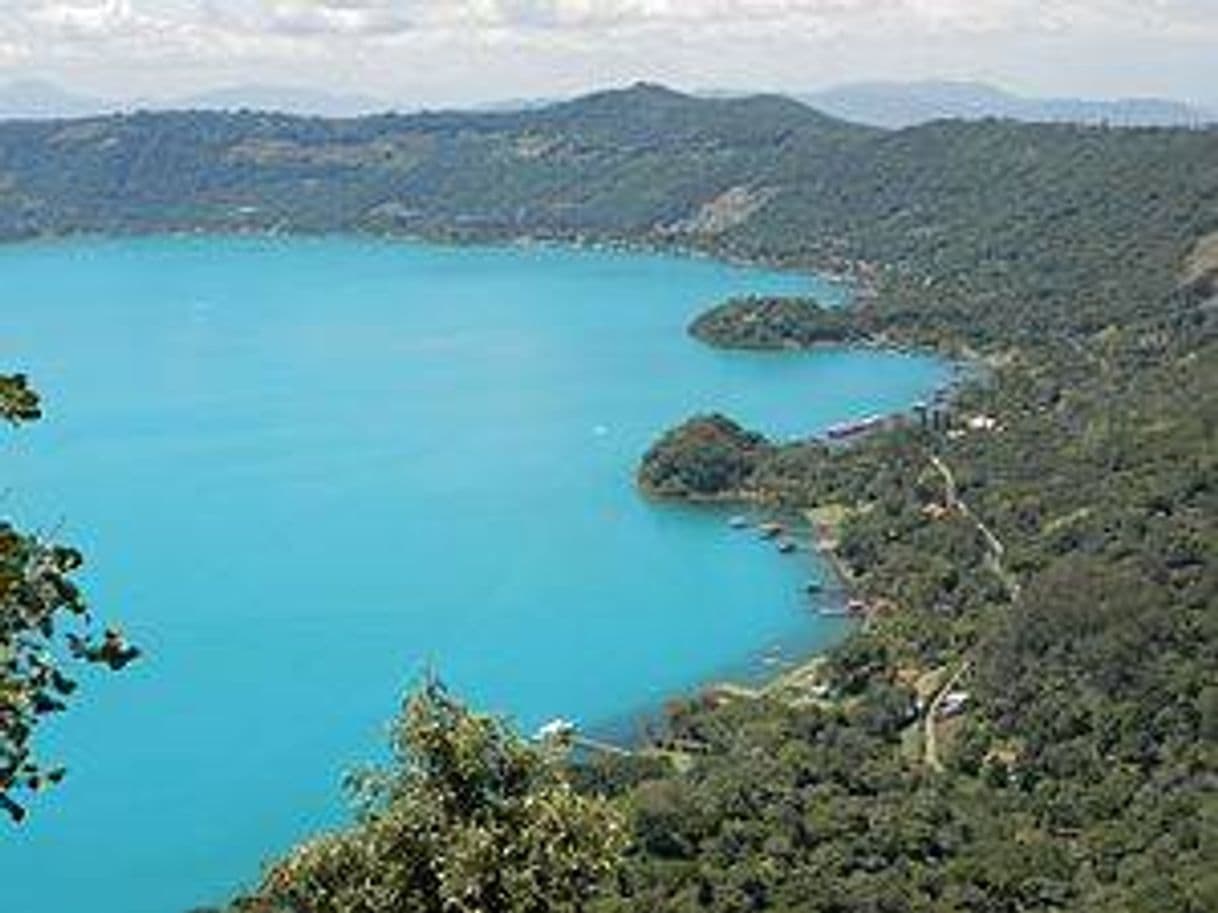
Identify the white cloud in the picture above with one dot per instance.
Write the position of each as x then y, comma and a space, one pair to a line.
469, 42
85, 17
371, 18
342, 17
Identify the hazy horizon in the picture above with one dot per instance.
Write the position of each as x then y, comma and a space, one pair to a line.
414, 53
323, 100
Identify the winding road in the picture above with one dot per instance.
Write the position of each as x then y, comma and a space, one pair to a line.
995, 550
995, 553
930, 741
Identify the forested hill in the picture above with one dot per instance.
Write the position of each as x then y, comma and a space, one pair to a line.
1039, 228
1058, 212
627, 161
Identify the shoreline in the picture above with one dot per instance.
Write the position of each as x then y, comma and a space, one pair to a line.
855, 278
803, 665
820, 539
852, 281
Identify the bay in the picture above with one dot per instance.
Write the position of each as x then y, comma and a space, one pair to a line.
304, 472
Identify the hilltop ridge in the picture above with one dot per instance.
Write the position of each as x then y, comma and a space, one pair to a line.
622, 162
896, 105
763, 178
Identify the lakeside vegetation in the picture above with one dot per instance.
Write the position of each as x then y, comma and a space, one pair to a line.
468, 817
1082, 774
1056, 565
775, 323
1055, 562
708, 457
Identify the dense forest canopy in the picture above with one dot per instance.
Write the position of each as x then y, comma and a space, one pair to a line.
1029, 720
631, 161
1035, 224
709, 456
775, 323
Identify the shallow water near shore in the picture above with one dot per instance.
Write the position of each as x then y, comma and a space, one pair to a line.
305, 471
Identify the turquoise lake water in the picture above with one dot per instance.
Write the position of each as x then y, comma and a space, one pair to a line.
303, 471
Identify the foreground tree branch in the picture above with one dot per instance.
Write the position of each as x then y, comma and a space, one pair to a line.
44, 626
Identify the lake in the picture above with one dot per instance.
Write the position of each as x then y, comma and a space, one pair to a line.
306, 471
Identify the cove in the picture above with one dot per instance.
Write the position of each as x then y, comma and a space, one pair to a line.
304, 471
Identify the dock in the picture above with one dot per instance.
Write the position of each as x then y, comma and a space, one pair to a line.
798, 686
596, 746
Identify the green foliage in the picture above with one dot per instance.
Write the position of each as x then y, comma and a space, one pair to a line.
997, 232
620, 162
773, 323
708, 456
18, 401
468, 819
38, 599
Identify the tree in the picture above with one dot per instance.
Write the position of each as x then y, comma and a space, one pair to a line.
37, 599
467, 818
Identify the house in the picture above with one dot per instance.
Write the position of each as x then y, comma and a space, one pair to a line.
983, 423
953, 704
556, 730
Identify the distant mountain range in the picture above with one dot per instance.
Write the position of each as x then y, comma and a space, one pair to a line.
40, 99
881, 104
897, 104
35, 98
289, 99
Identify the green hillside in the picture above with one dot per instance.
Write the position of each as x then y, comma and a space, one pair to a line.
1039, 227
626, 161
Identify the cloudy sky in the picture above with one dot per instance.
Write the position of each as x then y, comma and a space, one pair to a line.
454, 51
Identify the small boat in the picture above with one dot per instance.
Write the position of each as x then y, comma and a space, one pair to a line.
844, 430
786, 546
771, 530
556, 730
738, 522
813, 587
